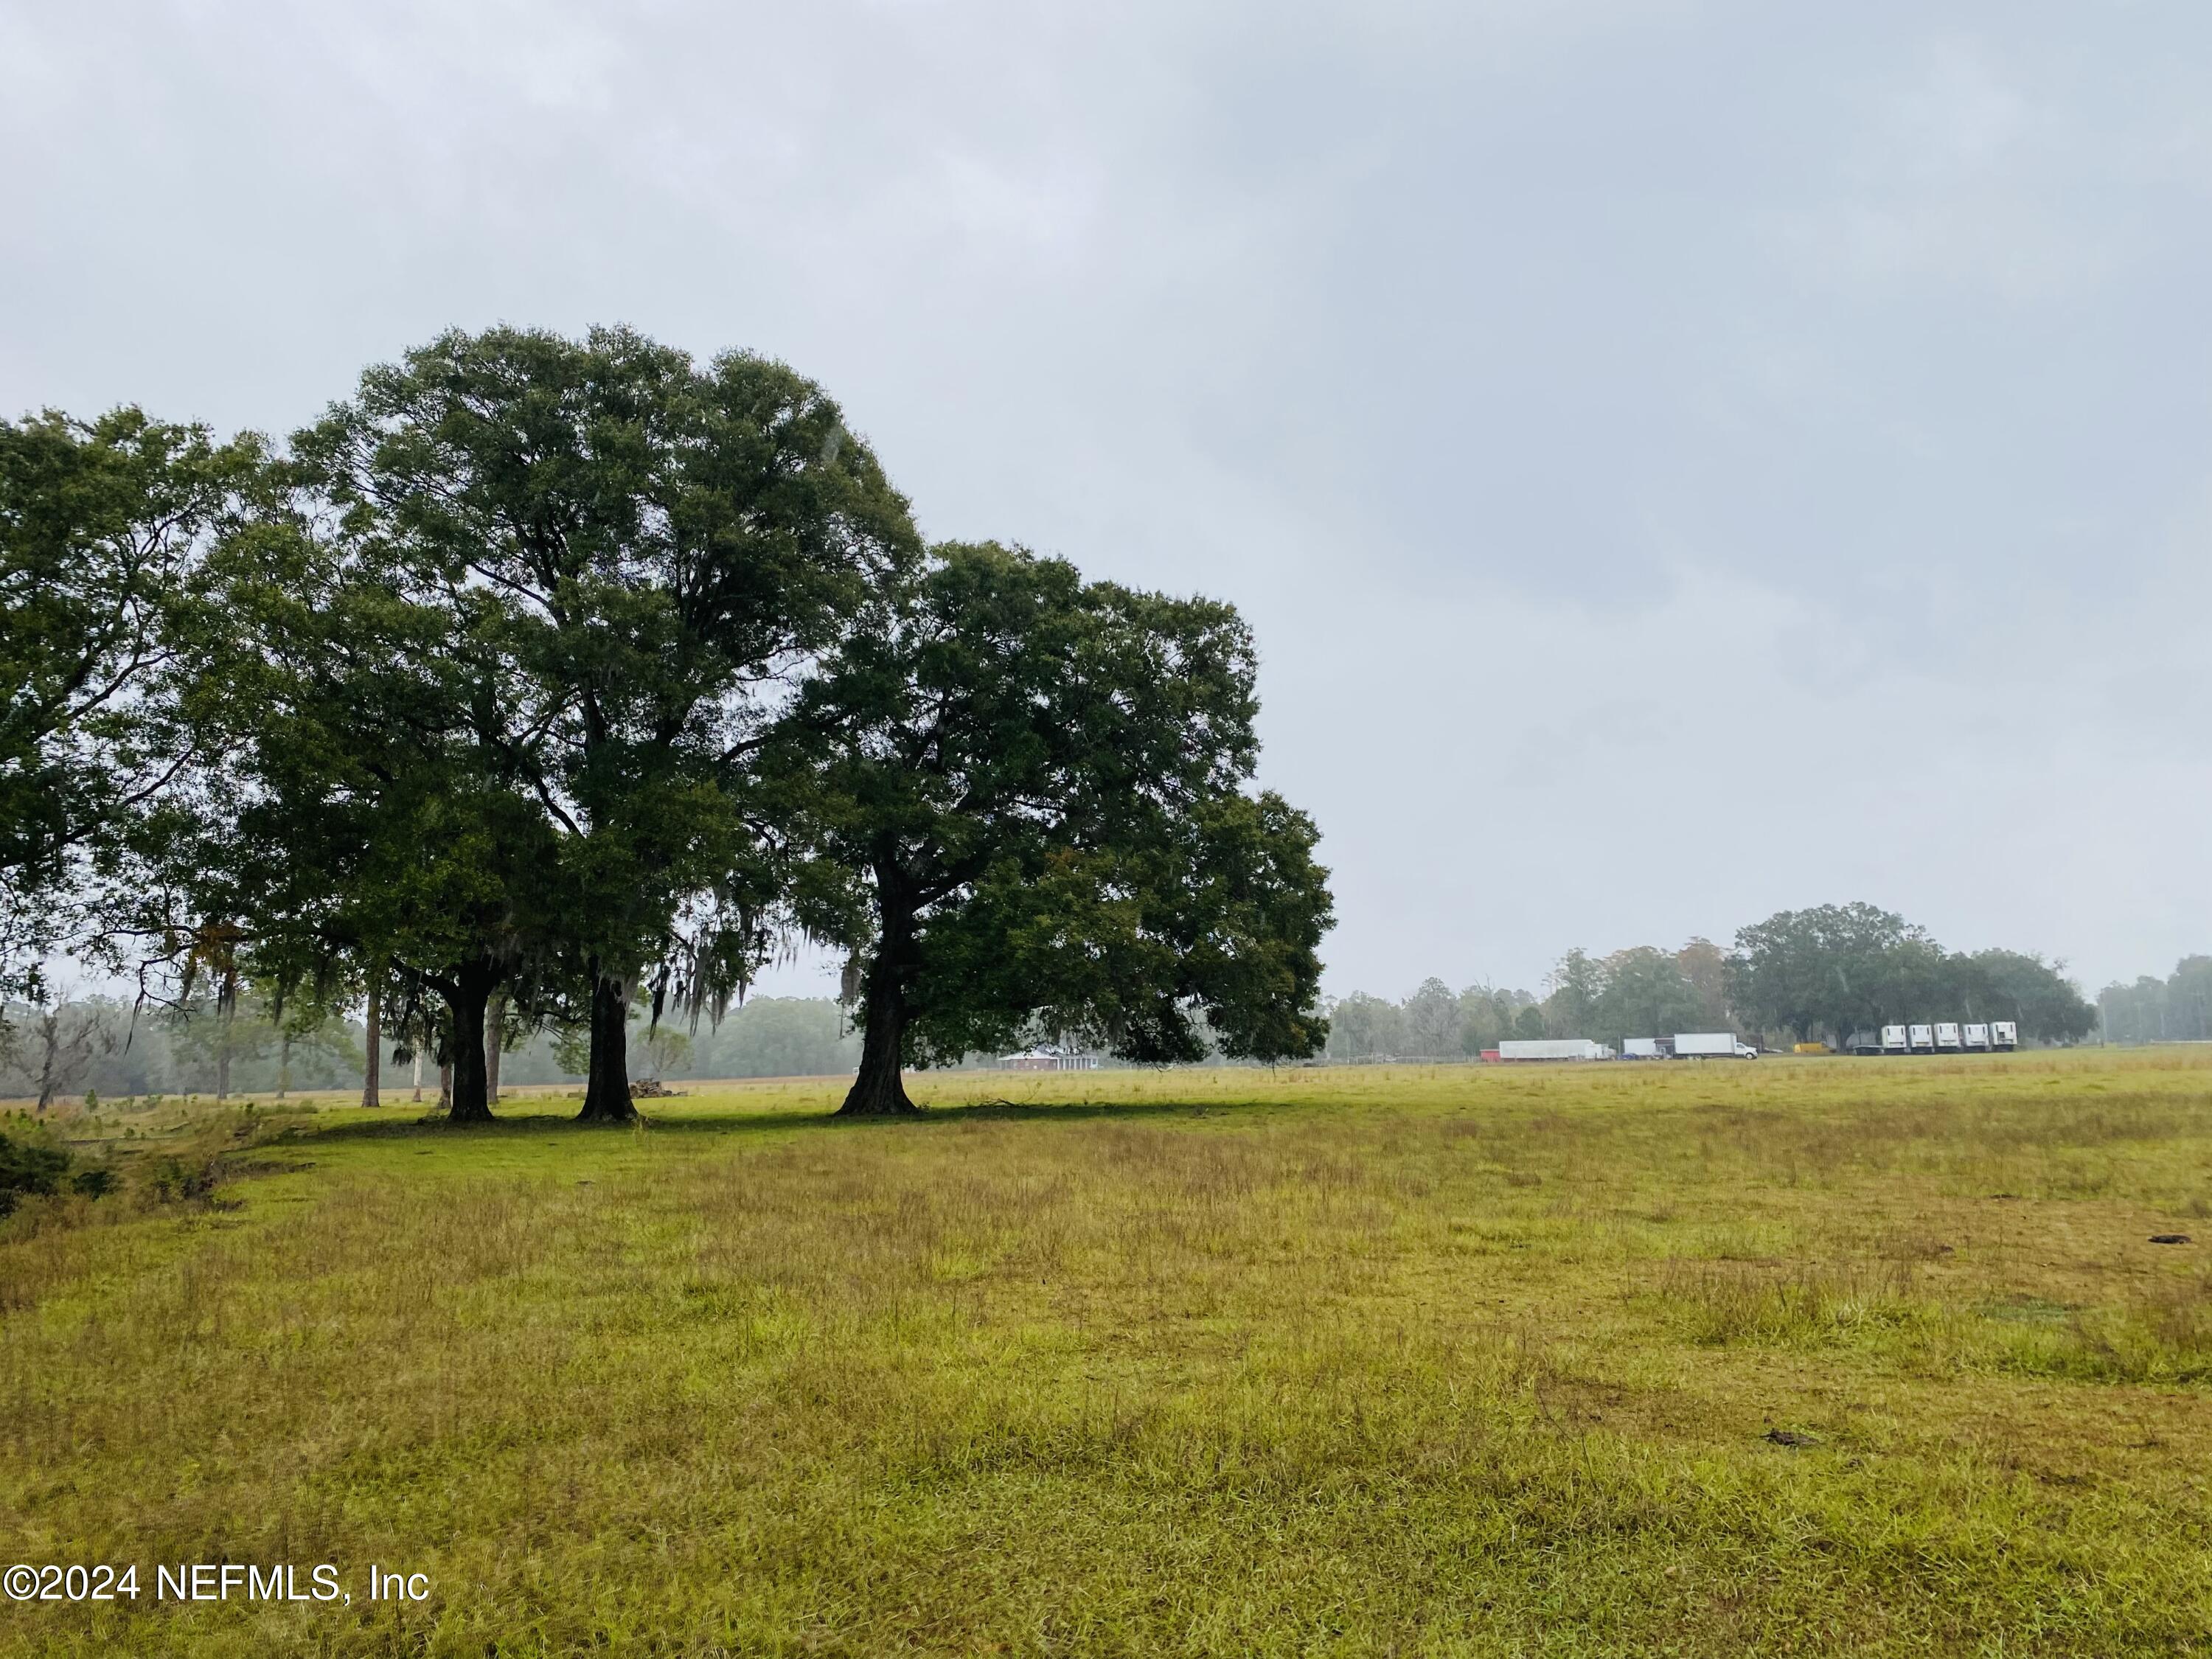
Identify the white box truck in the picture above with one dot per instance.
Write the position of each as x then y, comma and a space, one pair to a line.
1923, 1039
1947, 1034
1553, 1049
1895, 1040
2003, 1034
1711, 1045
1976, 1037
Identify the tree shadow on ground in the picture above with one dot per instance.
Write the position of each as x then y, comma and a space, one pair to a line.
410, 1126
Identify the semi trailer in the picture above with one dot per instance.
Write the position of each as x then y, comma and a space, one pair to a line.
1553, 1049
1688, 1045
1711, 1045
1935, 1037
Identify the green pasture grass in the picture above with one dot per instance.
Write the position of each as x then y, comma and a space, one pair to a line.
1791, 1356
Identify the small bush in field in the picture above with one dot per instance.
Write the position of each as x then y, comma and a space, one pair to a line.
173, 1180
34, 1167
30, 1167
93, 1182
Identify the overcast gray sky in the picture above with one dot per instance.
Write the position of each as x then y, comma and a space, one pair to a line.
1682, 460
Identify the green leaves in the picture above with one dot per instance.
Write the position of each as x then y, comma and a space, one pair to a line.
647, 550
1021, 797
515, 648
1836, 968
573, 666
103, 528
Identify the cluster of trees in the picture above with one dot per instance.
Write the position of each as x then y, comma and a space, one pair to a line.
2176, 1009
770, 1036
1640, 990
544, 679
94, 1045
101, 1046
1825, 973
1814, 974
1434, 1022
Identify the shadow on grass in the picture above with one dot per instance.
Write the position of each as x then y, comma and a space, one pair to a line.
409, 1126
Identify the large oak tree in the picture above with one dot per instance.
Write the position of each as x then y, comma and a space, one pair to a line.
362, 824
655, 550
1021, 801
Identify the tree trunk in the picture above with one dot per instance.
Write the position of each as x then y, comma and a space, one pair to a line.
284, 1065
495, 1026
606, 1076
372, 1069
50, 1031
471, 990
223, 1062
878, 1091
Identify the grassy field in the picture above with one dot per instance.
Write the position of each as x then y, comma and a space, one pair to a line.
1792, 1356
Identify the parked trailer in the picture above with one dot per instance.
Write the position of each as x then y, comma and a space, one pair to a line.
1938, 1037
1553, 1049
1711, 1045
1864, 1040
1643, 1048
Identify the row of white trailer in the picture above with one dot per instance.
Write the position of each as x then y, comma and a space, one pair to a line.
1683, 1045
1939, 1037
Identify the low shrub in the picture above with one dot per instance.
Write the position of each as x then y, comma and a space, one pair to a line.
32, 1166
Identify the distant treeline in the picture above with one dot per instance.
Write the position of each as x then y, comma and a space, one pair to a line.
2176, 1009
1800, 975
1805, 975
1635, 991
76, 1046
